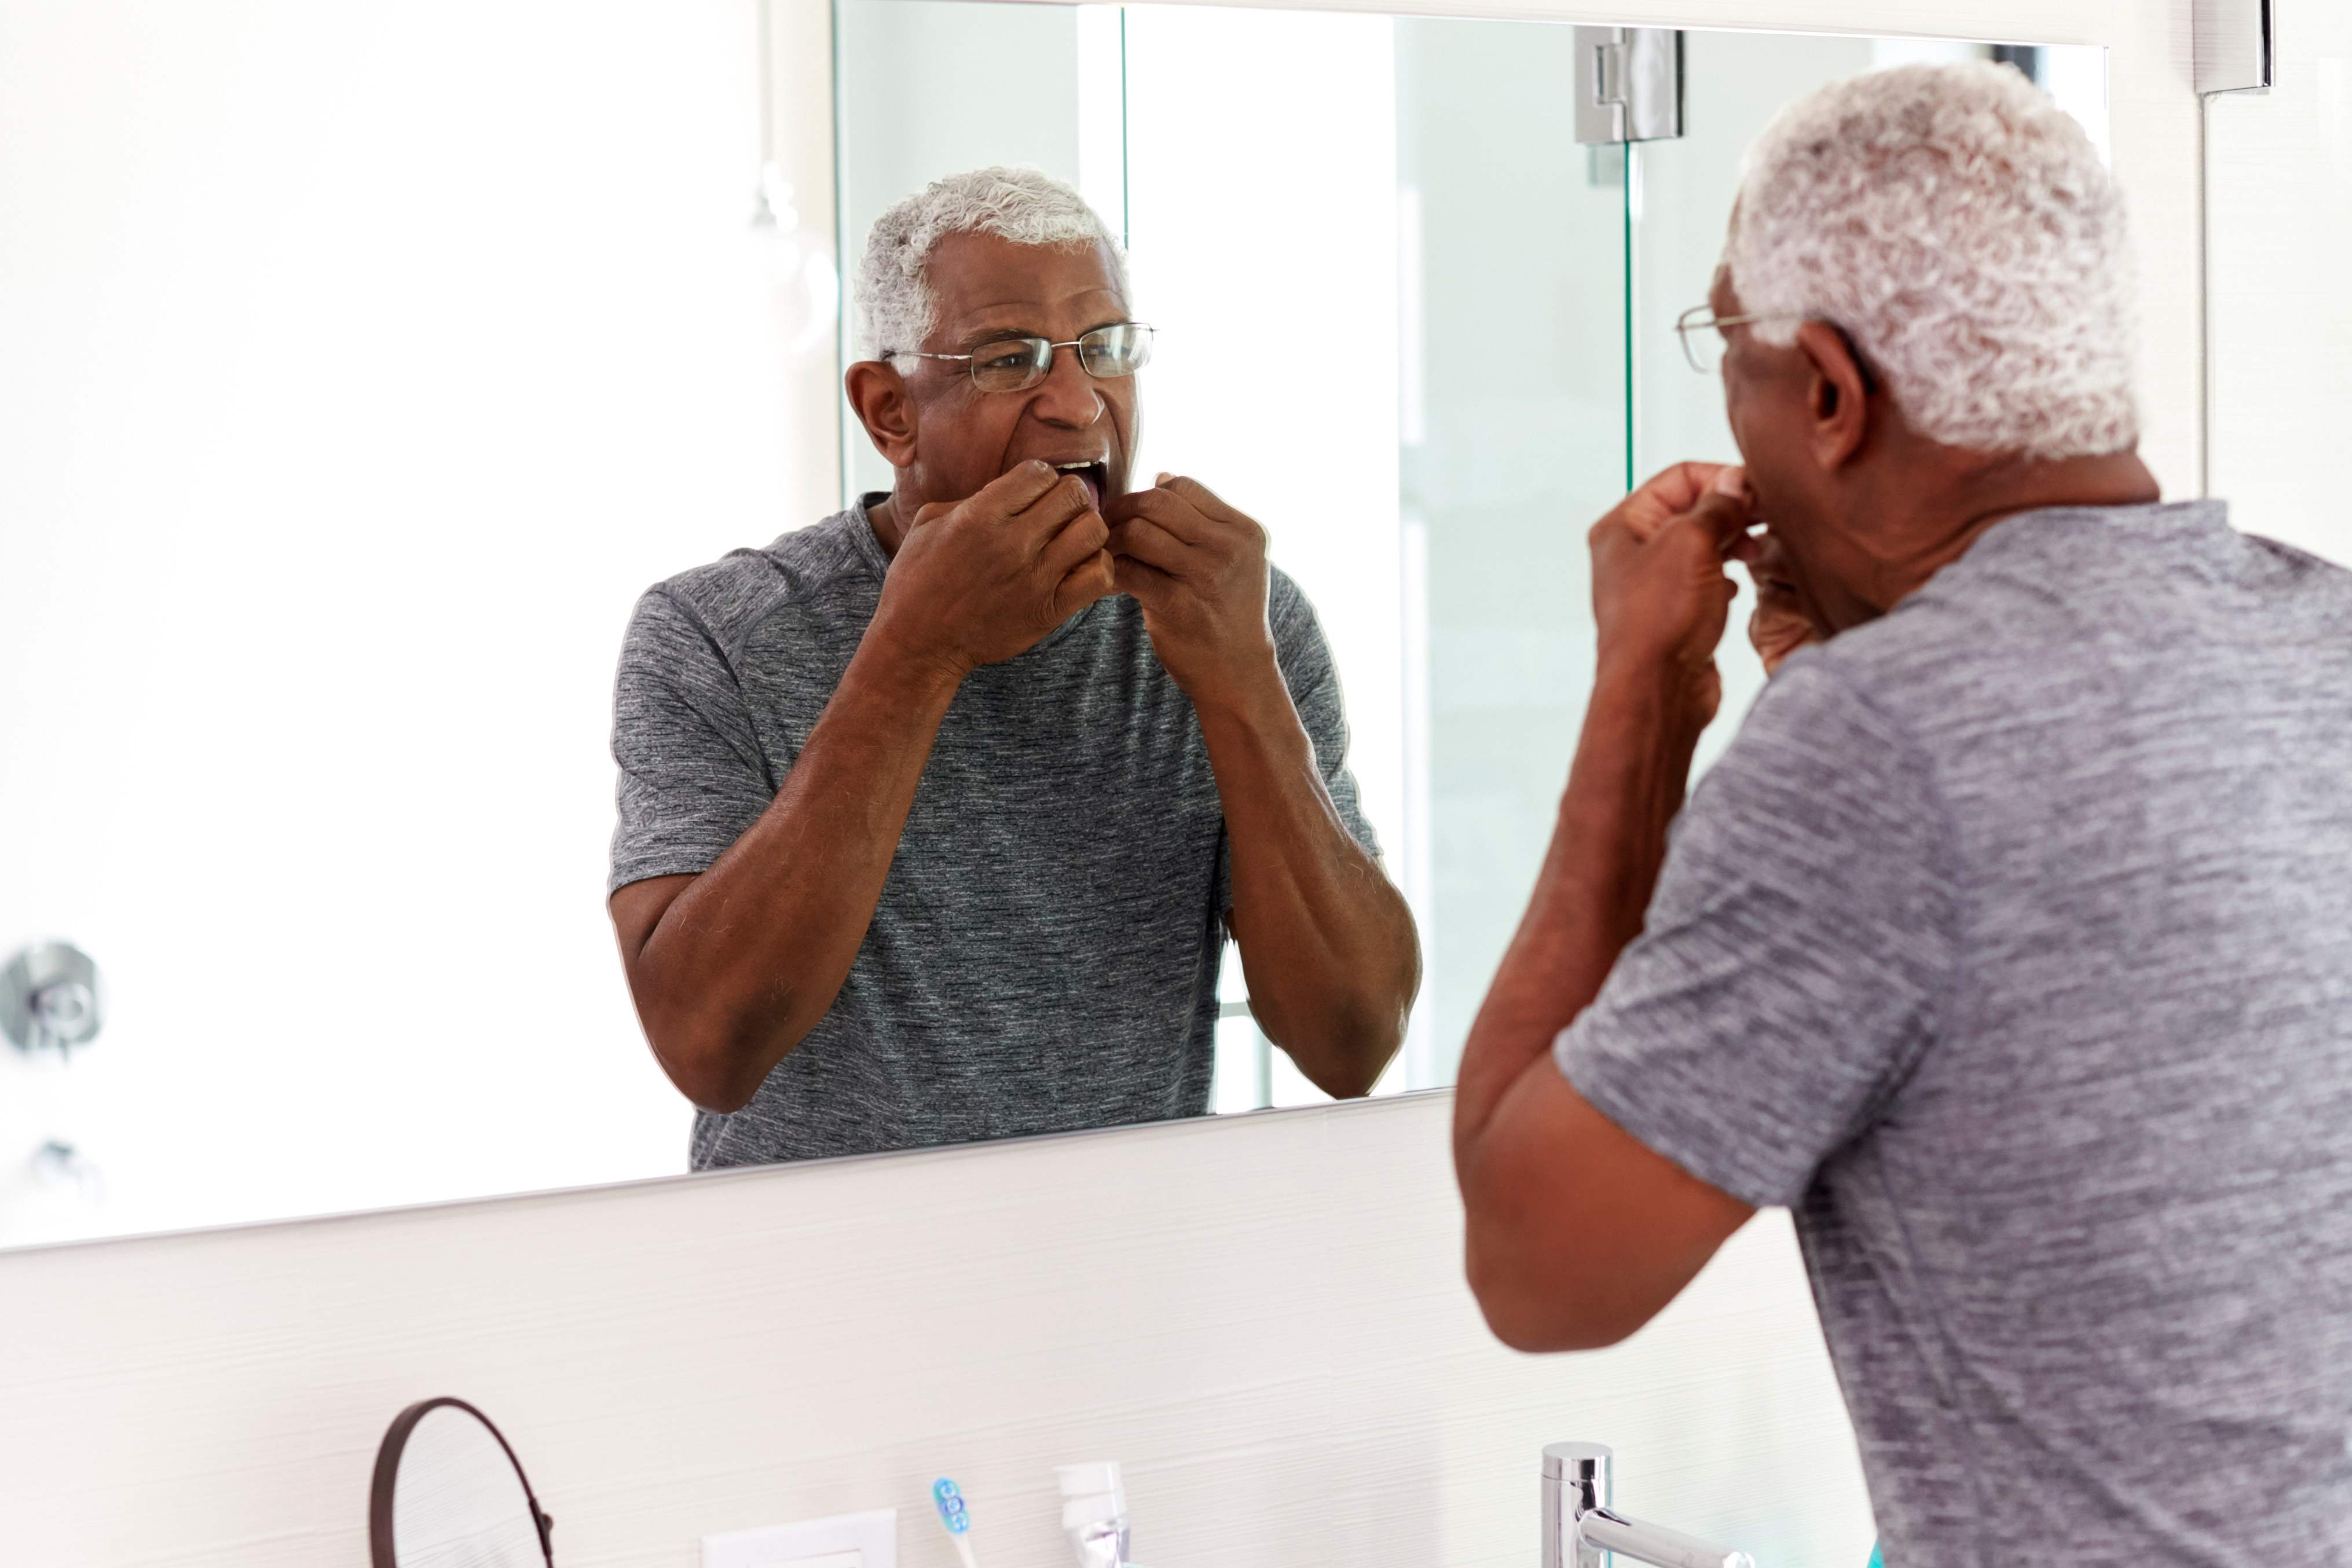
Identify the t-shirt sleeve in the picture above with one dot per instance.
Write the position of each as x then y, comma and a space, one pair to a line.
692, 776
1312, 678
1795, 955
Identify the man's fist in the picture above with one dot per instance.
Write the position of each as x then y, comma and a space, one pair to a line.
1660, 593
985, 580
1198, 568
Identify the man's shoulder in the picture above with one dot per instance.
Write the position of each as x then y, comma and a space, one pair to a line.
2069, 624
2049, 589
728, 597
1289, 611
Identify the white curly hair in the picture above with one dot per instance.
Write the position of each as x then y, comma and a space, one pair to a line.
1959, 226
896, 308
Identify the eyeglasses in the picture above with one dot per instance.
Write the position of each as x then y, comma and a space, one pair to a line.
1703, 349
1701, 332
1015, 365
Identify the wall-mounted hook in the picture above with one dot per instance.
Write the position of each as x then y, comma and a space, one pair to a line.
50, 998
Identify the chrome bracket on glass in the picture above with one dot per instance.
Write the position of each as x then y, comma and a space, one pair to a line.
50, 998
2233, 41
1628, 84
1579, 1531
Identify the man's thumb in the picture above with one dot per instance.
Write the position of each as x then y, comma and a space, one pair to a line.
1726, 509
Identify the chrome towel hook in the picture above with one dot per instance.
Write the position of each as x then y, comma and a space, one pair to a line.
50, 998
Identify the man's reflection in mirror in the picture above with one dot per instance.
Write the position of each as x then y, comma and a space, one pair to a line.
935, 817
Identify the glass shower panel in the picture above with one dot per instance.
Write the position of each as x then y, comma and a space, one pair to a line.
1513, 427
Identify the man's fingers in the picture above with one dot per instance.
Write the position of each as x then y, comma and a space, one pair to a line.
1668, 493
1147, 583
1145, 540
1083, 536
1767, 560
1725, 514
1019, 488
1064, 499
1721, 512
1094, 577
1198, 494
1771, 587
1174, 512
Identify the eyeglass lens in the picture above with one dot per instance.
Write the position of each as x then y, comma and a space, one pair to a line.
1014, 364
1702, 342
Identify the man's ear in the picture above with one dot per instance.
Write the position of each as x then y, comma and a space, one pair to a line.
878, 394
1837, 395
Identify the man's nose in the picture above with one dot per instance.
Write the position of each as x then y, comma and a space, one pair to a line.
1067, 395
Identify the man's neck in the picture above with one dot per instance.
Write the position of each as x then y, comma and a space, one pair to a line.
1975, 493
890, 521
887, 530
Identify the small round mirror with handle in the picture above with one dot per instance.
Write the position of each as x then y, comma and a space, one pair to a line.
449, 1493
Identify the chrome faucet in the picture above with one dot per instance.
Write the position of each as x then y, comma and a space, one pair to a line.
1579, 1531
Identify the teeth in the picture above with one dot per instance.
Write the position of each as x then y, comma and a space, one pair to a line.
1068, 468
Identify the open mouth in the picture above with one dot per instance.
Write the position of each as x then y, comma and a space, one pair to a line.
1096, 475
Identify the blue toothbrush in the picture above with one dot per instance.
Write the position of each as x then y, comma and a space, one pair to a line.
956, 1517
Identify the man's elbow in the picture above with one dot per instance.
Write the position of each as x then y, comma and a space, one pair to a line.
719, 1097
710, 1068
1350, 1054
710, 1086
1536, 1309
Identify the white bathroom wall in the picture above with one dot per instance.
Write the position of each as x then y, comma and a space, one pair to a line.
359, 365
2278, 183
1263, 1318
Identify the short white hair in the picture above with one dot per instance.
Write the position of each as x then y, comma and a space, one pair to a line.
1960, 229
896, 308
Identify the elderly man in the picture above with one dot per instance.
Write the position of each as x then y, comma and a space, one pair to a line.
934, 816
2010, 944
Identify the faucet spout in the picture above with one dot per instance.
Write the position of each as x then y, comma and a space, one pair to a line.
1655, 1543
1580, 1528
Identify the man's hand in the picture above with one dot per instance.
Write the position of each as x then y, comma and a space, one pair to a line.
1781, 623
1198, 568
1660, 593
985, 580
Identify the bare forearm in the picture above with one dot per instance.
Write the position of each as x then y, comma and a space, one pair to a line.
1327, 942
1550, 1182
1632, 769
747, 959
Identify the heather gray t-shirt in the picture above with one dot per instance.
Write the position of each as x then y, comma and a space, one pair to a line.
2010, 944
1044, 954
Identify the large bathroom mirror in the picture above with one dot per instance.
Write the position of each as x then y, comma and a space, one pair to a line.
357, 379
1492, 301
